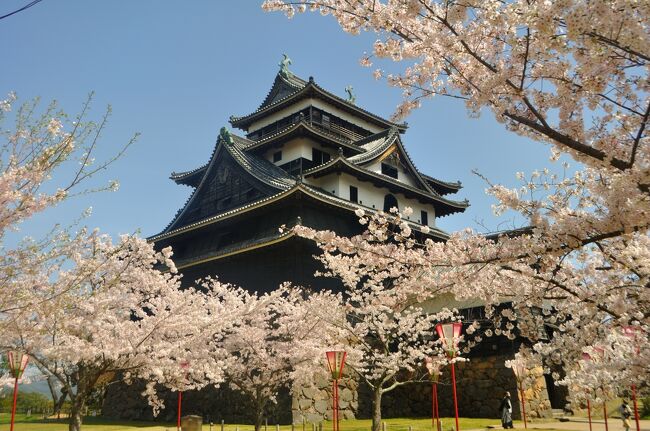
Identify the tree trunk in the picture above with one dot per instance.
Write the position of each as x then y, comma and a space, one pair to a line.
77, 405
376, 409
259, 411
57, 400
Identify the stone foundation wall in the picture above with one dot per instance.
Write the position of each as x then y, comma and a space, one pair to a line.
314, 404
213, 404
481, 384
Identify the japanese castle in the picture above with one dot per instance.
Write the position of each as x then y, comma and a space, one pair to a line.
307, 156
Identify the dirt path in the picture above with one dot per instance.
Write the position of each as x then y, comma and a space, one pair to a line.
581, 424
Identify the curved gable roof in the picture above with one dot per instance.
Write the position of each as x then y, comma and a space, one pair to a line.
283, 86
444, 206
259, 169
274, 102
189, 178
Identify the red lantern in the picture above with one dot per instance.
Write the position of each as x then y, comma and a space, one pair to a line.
335, 363
17, 364
449, 334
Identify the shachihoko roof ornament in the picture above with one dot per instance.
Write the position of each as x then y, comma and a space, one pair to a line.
225, 135
284, 67
351, 97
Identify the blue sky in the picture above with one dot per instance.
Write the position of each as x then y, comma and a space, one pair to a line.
176, 70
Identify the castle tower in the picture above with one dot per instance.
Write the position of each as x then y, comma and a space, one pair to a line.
305, 156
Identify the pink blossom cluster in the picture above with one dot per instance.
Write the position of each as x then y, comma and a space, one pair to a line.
572, 74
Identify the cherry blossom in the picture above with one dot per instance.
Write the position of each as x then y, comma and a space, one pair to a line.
571, 74
378, 321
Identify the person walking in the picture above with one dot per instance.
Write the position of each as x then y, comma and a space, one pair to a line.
626, 413
506, 411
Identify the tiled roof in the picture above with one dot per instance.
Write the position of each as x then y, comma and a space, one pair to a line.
235, 249
259, 167
306, 126
271, 104
443, 187
281, 88
451, 206
374, 145
305, 188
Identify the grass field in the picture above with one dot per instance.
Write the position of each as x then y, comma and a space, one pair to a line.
94, 424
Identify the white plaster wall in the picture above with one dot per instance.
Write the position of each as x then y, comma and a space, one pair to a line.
346, 116
318, 104
402, 175
279, 115
329, 183
371, 196
296, 148
292, 150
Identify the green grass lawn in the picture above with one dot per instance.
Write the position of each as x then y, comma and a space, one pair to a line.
34, 423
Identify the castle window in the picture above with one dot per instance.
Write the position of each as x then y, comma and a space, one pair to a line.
424, 217
390, 201
319, 157
389, 170
354, 194
277, 156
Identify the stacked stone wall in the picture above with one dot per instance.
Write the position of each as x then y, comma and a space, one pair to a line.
213, 404
314, 404
481, 384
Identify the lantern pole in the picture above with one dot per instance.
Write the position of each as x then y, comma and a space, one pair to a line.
434, 375
523, 403
17, 365
435, 401
519, 368
589, 413
636, 409
630, 332
184, 365
180, 403
13, 408
335, 363
449, 333
605, 415
453, 380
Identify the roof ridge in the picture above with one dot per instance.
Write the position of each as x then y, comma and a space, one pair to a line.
302, 123
278, 180
311, 83
368, 138
297, 187
435, 195
178, 175
275, 88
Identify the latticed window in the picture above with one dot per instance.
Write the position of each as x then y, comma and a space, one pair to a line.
390, 201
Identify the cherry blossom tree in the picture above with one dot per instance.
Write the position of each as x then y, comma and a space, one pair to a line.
378, 320
120, 314
279, 346
85, 309
572, 74
45, 158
